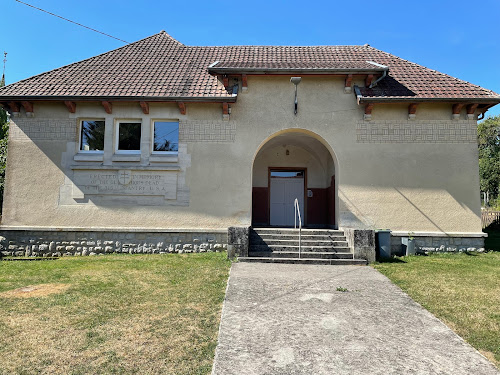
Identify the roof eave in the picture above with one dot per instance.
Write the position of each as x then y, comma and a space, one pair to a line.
288, 71
368, 99
215, 99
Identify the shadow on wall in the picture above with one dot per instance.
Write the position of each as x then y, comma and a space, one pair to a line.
408, 213
48, 174
57, 141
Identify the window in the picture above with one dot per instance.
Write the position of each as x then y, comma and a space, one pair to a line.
129, 137
287, 174
166, 136
92, 135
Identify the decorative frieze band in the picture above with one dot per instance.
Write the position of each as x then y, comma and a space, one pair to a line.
206, 131
415, 132
65, 129
43, 129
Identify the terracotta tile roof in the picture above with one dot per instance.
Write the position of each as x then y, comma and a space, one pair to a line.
297, 64
410, 80
159, 67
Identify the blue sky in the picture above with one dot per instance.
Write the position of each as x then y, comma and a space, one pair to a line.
459, 38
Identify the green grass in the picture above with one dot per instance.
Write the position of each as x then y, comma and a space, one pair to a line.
121, 314
463, 290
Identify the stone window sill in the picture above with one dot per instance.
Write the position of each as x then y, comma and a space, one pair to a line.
164, 158
126, 157
95, 167
88, 157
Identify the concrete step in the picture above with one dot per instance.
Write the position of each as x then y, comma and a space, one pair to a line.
304, 254
295, 242
311, 237
279, 247
293, 231
360, 262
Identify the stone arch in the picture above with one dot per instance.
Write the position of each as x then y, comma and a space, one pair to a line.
296, 149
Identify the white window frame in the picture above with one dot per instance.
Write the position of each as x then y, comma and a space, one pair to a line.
117, 136
153, 152
80, 138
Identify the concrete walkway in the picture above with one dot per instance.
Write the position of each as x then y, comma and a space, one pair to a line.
290, 319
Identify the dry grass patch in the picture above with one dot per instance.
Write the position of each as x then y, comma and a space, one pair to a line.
124, 314
463, 290
40, 290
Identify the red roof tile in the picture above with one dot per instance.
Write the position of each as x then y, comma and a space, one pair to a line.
159, 67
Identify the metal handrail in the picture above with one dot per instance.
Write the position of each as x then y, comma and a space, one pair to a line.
297, 210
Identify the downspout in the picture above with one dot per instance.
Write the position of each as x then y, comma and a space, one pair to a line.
483, 112
357, 92
384, 74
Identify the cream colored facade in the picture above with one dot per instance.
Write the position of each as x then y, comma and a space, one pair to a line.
418, 175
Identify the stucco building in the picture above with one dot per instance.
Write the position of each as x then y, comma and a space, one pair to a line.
158, 146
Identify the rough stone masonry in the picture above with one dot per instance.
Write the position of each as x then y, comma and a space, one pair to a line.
67, 243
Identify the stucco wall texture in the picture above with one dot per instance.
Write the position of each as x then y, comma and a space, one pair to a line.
400, 174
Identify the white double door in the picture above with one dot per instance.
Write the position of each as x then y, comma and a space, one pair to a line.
284, 191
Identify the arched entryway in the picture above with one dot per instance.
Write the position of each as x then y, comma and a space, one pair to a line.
291, 164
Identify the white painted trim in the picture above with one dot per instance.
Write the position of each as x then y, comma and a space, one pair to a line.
80, 120
117, 135
152, 137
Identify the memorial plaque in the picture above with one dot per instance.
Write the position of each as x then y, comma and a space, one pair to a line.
127, 182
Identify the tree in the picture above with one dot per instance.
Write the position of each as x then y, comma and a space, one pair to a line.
489, 155
93, 134
4, 130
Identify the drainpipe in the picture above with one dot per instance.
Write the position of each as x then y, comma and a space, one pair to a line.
386, 68
357, 91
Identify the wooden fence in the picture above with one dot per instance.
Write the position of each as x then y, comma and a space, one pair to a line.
489, 217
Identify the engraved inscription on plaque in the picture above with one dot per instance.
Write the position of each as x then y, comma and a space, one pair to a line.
127, 182
124, 176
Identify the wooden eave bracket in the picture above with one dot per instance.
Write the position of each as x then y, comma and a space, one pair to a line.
456, 109
471, 111
182, 107
144, 107
225, 111
368, 80
225, 80
28, 107
107, 107
244, 83
368, 111
70, 105
412, 111
15, 110
348, 84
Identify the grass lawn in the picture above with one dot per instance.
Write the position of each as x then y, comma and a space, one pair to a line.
114, 314
463, 290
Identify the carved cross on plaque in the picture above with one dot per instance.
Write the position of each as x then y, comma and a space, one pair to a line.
124, 176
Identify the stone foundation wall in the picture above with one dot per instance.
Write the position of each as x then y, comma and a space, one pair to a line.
52, 243
429, 244
361, 242
238, 242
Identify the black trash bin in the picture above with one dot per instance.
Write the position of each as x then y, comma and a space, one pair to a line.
383, 243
